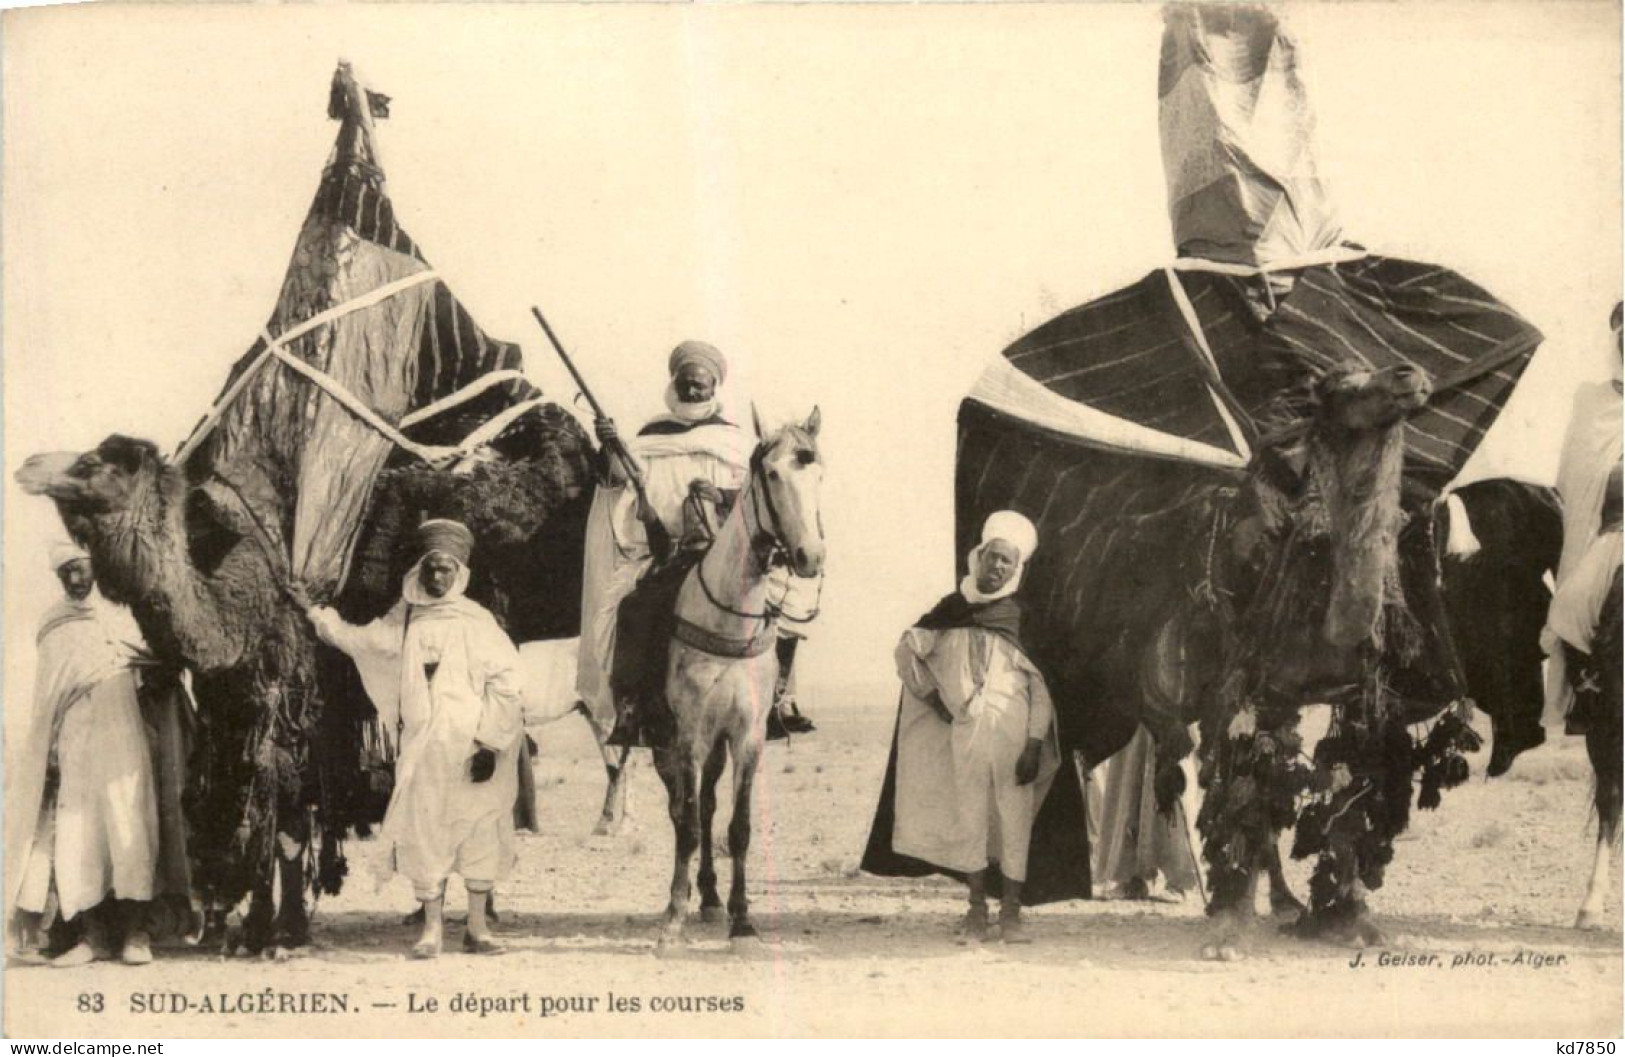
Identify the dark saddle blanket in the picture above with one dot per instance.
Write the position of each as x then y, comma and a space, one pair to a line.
643, 631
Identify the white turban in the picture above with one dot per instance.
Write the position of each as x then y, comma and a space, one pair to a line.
1014, 529
64, 552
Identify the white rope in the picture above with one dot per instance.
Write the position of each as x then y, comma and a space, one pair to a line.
461, 396
355, 304
434, 456
1188, 311
495, 428
1330, 255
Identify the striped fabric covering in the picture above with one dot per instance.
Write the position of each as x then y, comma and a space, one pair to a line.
454, 351
1238, 138
286, 445
1115, 519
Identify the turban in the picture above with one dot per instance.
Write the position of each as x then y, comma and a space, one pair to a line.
698, 352
62, 553
450, 538
1014, 529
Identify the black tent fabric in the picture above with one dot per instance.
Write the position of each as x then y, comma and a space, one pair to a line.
1040, 434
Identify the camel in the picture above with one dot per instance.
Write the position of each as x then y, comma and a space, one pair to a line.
1309, 595
281, 758
1500, 539
192, 566
722, 667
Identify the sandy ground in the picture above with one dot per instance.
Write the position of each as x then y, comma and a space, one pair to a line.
1495, 875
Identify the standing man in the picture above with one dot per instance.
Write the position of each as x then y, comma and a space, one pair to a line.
976, 746
84, 838
458, 719
692, 462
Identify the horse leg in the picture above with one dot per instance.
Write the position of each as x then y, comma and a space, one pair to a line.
617, 771
1590, 915
1603, 746
710, 902
677, 769
743, 933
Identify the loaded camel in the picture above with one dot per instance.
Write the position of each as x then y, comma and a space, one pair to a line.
1316, 588
281, 770
1500, 539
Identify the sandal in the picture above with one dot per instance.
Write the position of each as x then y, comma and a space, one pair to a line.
481, 945
973, 927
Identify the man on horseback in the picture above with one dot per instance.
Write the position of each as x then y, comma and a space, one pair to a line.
691, 464
1588, 481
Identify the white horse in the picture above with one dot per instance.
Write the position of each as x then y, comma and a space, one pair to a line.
722, 668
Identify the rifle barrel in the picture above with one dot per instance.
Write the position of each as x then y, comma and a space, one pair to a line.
618, 448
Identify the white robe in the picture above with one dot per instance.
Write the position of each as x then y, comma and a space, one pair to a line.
958, 805
617, 551
99, 835
1132, 838
439, 820
1591, 448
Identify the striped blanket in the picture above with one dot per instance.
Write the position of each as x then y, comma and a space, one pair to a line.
288, 445
1110, 424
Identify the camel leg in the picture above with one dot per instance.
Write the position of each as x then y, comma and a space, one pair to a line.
743, 933
678, 770
1282, 901
710, 902
1590, 915
260, 921
1231, 922
292, 927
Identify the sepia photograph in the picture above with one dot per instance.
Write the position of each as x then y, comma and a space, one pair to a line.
814, 520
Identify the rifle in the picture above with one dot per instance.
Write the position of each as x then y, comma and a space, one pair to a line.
616, 447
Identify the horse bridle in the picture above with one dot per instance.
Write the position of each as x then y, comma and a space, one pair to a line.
766, 545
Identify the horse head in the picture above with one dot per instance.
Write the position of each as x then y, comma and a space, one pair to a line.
789, 472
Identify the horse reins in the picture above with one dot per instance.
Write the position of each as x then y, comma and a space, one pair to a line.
771, 555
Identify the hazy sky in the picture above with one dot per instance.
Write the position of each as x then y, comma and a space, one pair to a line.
859, 204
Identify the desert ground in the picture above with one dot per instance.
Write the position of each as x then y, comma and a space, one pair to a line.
1493, 878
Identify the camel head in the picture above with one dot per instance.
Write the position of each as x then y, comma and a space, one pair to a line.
1358, 450
108, 479
1371, 399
